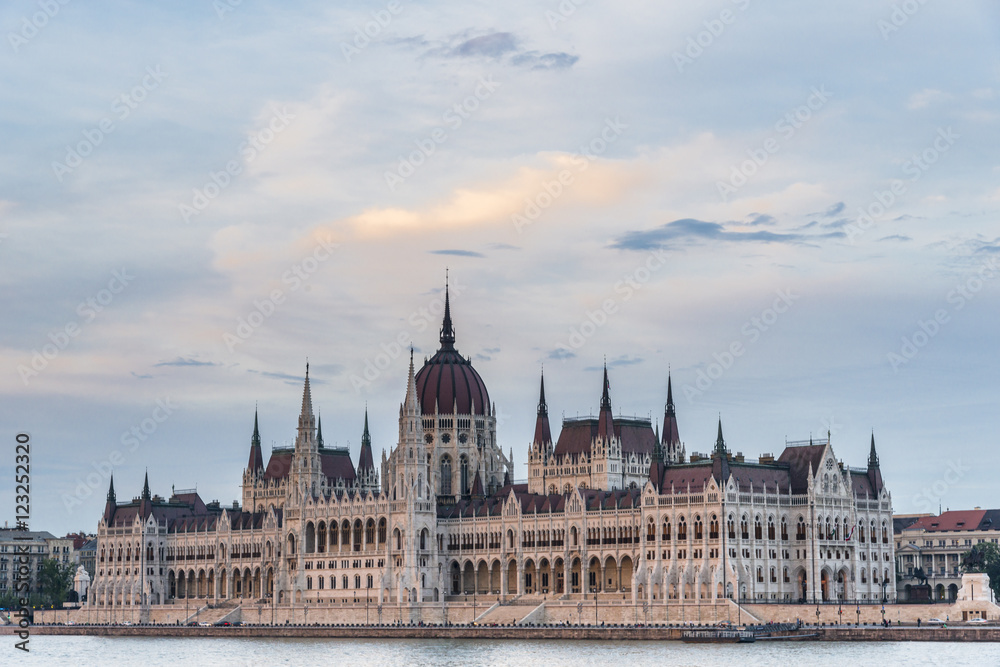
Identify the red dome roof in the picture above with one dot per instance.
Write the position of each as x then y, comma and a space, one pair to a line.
448, 379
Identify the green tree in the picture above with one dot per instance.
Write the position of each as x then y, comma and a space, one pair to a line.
985, 558
55, 581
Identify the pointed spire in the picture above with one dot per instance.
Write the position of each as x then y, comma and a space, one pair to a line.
605, 421
110, 506
256, 462
447, 330
411, 406
543, 434
477, 486
307, 421
874, 473
319, 430
670, 396
145, 487
543, 409
606, 396
366, 462
720, 443
307, 406
671, 439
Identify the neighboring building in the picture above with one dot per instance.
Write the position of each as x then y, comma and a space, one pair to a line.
87, 557
609, 507
39, 544
936, 544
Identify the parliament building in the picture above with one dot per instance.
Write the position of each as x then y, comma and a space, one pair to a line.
613, 509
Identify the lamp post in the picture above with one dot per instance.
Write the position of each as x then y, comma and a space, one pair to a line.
859, 614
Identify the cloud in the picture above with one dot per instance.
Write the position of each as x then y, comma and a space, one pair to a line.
925, 98
181, 361
503, 246
493, 45
141, 377
691, 230
624, 360
761, 219
289, 379
499, 46
835, 209
561, 354
457, 253
896, 237
536, 60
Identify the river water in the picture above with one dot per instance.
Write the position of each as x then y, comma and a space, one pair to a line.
174, 652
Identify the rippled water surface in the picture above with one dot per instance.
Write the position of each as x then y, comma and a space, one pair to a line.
174, 652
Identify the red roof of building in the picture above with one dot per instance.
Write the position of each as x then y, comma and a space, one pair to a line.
954, 520
636, 436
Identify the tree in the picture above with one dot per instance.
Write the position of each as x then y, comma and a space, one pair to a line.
984, 558
55, 581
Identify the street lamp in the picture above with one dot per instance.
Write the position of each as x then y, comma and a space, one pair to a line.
859, 614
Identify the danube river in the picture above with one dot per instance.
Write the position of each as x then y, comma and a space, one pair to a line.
52, 650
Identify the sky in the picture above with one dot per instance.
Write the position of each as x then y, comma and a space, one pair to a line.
790, 207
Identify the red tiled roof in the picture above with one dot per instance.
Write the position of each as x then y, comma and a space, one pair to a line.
954, 520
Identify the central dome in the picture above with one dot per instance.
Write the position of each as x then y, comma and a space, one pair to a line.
448, 382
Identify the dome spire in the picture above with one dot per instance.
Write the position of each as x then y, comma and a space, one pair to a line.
447, 330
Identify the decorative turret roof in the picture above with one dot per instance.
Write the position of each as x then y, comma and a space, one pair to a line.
874, 472
256, 462
366, 461
145, 488
671, 436
605, 421
543, 434
720, 458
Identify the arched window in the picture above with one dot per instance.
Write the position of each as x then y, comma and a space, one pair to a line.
446, 475
770, 528
464, 471
666, 531
758, 531
682, 529
381, 531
